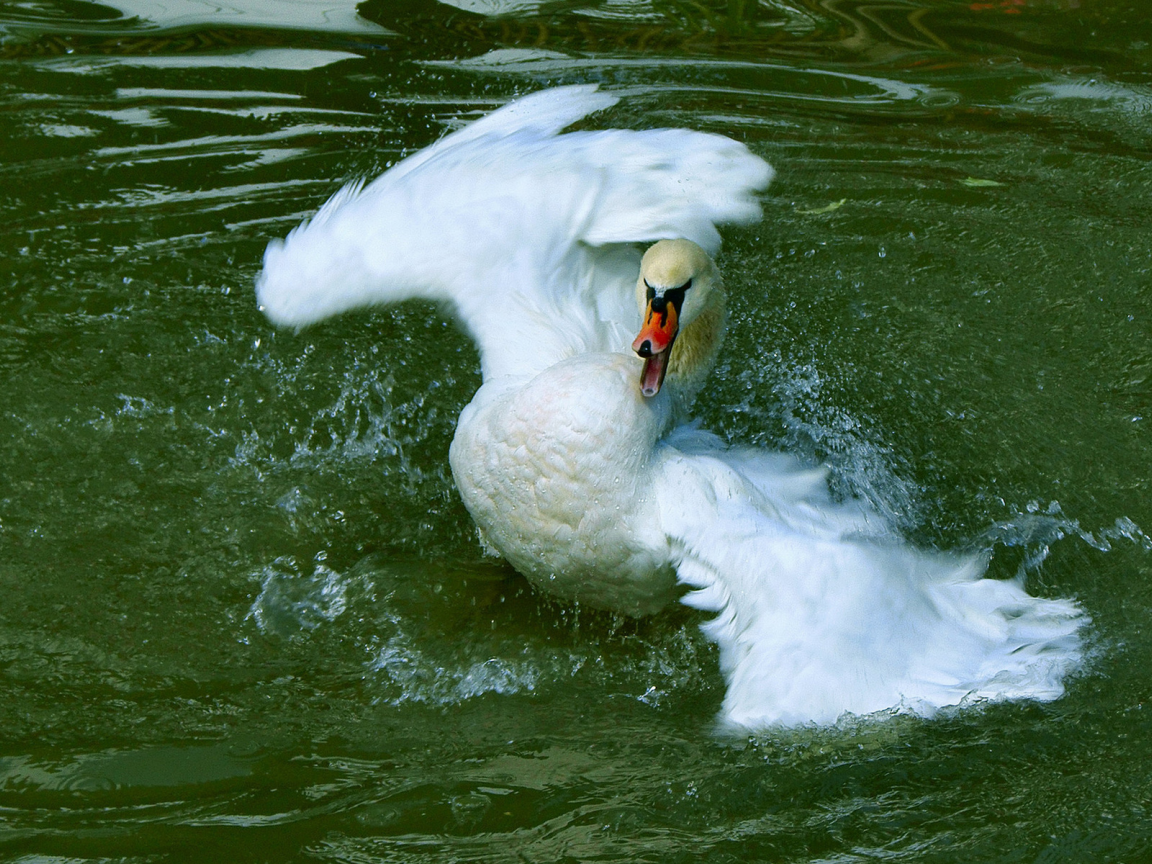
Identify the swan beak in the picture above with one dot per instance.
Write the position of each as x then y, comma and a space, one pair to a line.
654, 344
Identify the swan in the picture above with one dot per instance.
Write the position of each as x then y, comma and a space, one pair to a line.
577, 457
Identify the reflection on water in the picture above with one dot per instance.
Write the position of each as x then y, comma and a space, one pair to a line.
333, 16
161, 766
261, 58
239, 589
758, 80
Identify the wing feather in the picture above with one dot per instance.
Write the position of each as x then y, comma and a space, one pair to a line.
522, 231
817, 618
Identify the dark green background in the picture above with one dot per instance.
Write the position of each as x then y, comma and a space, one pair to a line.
243, 614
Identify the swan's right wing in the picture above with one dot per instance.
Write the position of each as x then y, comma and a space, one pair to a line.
819, 615
517, 227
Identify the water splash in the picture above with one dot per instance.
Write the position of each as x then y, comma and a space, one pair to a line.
363, 424
1038, 528
422, 679
290, 604
812, 428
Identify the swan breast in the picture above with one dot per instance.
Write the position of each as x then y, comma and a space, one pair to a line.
558, 476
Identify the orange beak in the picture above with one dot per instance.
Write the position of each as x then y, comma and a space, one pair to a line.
654, 343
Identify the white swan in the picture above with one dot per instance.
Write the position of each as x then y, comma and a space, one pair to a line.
600, 493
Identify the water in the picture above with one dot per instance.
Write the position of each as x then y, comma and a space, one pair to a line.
245, 615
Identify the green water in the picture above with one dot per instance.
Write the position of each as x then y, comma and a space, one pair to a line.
245, 616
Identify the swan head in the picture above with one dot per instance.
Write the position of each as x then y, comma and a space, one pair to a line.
679, 286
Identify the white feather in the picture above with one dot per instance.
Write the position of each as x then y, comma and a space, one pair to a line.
822, 613
503, 220
578, 480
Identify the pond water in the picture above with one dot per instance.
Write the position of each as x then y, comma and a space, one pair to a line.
245, 615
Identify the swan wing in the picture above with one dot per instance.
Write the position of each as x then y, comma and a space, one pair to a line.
821, 612
521, 230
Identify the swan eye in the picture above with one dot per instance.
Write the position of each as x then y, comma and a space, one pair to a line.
675, 296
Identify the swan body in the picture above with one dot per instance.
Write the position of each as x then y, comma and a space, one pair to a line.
569, 502
576, 458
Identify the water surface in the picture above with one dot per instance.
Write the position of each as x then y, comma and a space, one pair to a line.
246, 616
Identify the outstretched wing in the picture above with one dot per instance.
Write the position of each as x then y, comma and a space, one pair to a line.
820, 613
517, 227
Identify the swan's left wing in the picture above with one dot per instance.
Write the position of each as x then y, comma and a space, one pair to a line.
519, 229
820, 612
